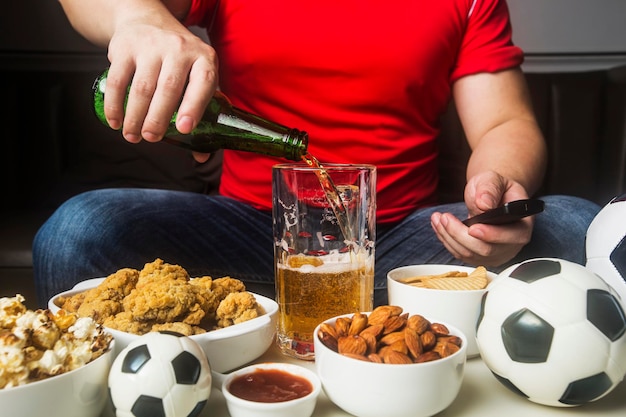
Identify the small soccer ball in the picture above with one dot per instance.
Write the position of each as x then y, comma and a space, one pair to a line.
160, 374
606, 244
554, 332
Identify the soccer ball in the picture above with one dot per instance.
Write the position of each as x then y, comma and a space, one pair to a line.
606, 244
160, 374
554, 332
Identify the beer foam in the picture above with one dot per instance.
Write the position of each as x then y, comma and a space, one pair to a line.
334, 262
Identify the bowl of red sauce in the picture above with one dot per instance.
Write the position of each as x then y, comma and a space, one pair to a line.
271, 389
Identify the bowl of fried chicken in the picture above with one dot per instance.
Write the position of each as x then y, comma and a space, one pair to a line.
232, 325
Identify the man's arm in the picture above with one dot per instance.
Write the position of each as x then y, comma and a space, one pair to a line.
501, 128
507, 163
96, 19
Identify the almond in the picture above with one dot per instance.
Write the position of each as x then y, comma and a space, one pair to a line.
413, 342
370, 341
418, 323
439, 329
379, 315
358, 324
342, 326
395, 310
393, 323
444, 348
391, 338
375, 357
328, 339
427, 357
451, 339
329, 328
395, 357
354, 344
399, 346
375, 330
428, 340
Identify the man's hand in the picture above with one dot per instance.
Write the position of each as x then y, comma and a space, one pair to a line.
167, 67
483, 244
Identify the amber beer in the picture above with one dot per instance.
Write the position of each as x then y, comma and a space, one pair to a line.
324, 233
311, 294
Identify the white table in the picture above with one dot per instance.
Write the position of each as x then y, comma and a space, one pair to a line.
481, 395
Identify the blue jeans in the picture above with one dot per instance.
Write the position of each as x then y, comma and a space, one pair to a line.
98, 232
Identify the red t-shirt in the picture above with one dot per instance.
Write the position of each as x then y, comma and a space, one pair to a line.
368, 80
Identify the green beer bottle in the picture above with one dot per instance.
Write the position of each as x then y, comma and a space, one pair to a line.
224, 126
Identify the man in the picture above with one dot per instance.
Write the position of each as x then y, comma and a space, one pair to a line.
368, 81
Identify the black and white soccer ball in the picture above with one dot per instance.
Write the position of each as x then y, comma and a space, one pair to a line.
606, 244
554, 332
160, 374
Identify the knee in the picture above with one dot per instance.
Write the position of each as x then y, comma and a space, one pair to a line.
560, 231
574, 213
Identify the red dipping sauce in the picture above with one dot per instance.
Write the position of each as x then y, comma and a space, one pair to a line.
270, 386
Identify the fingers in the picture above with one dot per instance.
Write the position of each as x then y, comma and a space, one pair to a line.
481, 244
489, 190
117, 82
201, 157
484, 192
141, 93
154, 96
171, 71
200, 90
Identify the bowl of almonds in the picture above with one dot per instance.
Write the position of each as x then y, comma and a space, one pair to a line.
450, 293
391, 361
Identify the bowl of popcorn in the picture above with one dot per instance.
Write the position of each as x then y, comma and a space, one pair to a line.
390, 362
233, 326
53, 365
449, 293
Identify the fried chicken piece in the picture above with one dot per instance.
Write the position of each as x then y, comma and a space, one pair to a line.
178, 327
226, 285
161, 271
124, 322
71, 303
207, 299
162, 302
236, 308
106, 299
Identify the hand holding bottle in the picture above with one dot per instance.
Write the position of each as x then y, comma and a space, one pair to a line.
222, 126
168, 68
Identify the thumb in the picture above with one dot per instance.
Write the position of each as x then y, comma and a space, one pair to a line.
489, 189
486, 200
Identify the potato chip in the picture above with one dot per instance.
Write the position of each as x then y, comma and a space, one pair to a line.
452, 280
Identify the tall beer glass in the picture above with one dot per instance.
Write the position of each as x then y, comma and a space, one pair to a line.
324, 233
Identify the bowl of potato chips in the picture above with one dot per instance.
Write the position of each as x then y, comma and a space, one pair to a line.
448, 293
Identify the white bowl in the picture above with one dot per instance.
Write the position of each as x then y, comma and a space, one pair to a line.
82, 392
300, 407
226, 348
457, 307
368, 389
